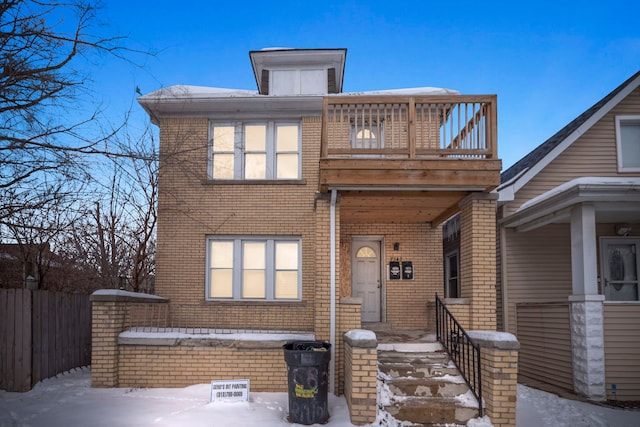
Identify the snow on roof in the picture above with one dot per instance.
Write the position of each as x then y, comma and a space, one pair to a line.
426, 90
589, 181
187, 91
277, 48
204, 92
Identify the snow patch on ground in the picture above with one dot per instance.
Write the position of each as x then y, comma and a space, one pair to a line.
68, 400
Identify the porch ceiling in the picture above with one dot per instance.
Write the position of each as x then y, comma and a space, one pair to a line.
364, 206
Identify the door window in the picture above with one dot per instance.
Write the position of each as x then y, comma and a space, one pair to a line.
620, 267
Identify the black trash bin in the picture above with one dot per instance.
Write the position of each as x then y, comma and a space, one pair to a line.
307, 366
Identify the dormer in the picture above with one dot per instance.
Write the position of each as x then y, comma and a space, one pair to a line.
288, 72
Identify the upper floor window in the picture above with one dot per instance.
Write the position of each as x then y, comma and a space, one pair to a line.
628, 143
254, 151
248, 268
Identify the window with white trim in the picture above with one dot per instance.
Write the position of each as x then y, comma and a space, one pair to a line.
254, 151
628, 143
248, 268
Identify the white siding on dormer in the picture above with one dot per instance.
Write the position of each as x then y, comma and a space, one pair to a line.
298, 82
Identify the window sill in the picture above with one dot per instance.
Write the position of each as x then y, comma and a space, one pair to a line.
254, 303
254, 182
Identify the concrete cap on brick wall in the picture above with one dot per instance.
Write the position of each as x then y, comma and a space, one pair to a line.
361, 338
117, 295
494, 339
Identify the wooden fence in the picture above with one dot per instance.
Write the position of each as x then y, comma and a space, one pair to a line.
42, 333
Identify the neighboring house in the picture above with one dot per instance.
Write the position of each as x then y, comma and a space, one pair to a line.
34, 266
292, 207
569, 234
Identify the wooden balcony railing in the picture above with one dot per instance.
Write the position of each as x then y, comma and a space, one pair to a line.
409, 127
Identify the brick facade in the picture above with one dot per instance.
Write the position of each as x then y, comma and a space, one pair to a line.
420, 244
190, 208
478, 258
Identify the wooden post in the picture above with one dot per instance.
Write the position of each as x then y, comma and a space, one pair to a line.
411, 124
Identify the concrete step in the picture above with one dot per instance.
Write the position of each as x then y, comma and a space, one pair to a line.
427, 387
430, 412
422, 358
417, 370
422, 386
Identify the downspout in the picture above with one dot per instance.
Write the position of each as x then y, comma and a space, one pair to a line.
332, 281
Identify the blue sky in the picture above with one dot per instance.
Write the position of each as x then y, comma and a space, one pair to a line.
547, 61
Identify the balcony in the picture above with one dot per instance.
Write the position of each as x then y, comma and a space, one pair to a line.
407, 146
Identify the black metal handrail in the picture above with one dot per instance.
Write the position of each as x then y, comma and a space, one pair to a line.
464, 353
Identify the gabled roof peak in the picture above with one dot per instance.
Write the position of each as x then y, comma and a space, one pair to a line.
527, 167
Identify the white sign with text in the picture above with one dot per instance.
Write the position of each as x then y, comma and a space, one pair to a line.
229, 390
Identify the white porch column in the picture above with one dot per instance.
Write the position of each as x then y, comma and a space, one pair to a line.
584, 259
587, 335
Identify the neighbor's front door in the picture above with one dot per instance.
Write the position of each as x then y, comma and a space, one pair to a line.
621, 265
365, 277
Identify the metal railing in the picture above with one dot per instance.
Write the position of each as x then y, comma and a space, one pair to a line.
464, 353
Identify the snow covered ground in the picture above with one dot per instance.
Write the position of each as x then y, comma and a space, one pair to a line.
68, 401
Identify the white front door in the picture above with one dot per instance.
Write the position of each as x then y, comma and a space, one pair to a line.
365, 277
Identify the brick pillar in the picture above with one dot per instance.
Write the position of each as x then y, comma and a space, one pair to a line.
107, 321
361, 375
110, 308
478, 258
499, 360
349, 317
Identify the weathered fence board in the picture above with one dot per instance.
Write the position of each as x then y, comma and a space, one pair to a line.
42, 333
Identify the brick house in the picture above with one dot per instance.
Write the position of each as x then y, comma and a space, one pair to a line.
298, 208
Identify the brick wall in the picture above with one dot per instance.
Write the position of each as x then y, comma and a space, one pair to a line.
478, 258
197, 363
406, 300
460, 308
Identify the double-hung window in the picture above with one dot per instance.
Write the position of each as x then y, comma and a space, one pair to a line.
248, 268
254, 151
628, 143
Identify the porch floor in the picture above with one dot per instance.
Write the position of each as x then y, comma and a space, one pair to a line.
387, 334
